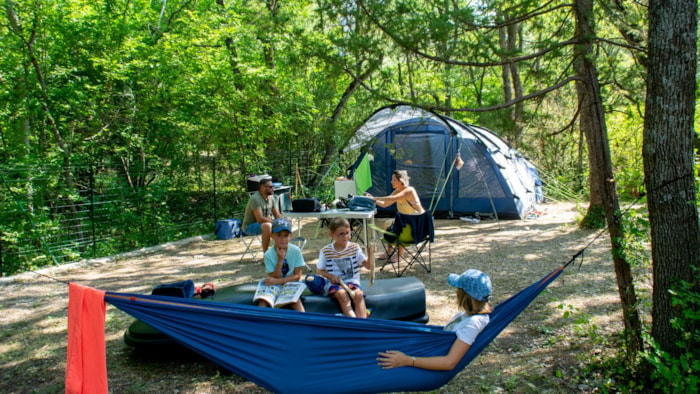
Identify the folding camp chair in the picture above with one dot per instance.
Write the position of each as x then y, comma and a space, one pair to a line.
301, 242
356, 228
248, 240
413, 234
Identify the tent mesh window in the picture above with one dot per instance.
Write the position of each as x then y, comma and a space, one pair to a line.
477, 178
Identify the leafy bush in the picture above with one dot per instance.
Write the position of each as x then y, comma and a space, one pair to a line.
679, 374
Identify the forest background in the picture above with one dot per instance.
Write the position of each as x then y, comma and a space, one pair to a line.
128, 123
148, 107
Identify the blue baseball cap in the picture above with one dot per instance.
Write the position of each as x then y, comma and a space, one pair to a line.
317, 284
281, 224
474, 282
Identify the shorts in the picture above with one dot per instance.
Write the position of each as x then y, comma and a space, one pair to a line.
253, 229
334, 288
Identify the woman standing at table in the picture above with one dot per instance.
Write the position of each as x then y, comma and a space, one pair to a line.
404, 196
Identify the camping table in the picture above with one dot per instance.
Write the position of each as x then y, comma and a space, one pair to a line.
344, 213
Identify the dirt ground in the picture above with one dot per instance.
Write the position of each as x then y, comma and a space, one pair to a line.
575, 321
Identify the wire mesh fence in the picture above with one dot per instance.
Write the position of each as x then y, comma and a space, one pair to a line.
53, 215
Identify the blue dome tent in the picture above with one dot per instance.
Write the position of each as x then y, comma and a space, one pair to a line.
495, 180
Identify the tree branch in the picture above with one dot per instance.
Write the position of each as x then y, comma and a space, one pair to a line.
482, 109
494, 63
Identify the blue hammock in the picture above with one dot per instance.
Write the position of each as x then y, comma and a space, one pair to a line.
289, 352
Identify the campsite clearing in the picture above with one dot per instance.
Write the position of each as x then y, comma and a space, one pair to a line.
572, 323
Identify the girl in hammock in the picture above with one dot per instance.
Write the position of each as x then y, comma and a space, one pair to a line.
473, 291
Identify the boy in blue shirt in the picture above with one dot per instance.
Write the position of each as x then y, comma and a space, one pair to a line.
284, 261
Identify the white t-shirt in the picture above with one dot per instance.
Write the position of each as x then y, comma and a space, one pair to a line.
467, 327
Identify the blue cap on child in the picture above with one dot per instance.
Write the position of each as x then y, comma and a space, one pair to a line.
281, 224
474, 282
316, 284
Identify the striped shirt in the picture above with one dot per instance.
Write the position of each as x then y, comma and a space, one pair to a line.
344, 263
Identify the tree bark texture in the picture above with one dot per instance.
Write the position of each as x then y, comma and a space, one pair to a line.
510, 43
514, 44
592, 121
668, 157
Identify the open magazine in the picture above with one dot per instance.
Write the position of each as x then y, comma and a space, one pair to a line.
279, 295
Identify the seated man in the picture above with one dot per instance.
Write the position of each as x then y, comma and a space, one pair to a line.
260, 211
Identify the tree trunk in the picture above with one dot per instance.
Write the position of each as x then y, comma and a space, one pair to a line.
231, 49
509, 41
330, 148
64, 147
505, 69
595, 216
514, 44
269, 51
668, 158
592, 120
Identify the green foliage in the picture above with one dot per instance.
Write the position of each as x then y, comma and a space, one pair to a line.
146, 89
625, 139
583, 325
593, 218
679, 374
697, 182
657, 370
137, 83
44, 222
635, 245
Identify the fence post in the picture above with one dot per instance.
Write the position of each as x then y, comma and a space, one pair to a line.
213, 177
92, 210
